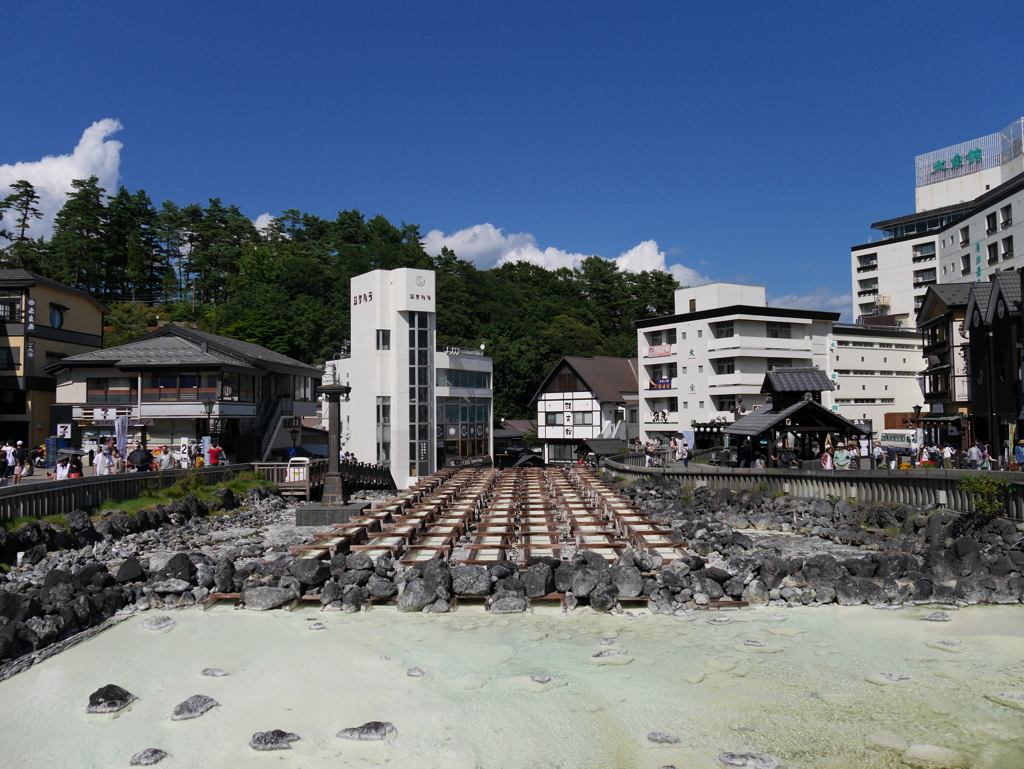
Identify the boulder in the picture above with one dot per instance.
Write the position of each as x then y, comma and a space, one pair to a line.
130, 570
721, 576
510, 604
225, 498
416, 596
822, 569
109, 699
627, 580
756, 593
539, 580
264, 598
273, 740
359, 577
81, 528
970, 591
148, 757
193, 707
330, 593
169, 586
586, 578
179, 566
370, 731
563, 577
310, 571
604, 597
437, 575
359, 561
353, 599
224, 575
471, 580
381, 587
338, 564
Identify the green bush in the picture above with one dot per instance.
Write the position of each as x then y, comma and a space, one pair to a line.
761, 486
987, 491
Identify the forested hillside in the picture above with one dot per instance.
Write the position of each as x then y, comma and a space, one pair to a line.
288, 287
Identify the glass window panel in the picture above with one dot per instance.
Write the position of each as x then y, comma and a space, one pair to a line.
412, 414
188, 387
421, 357
463, 415
96, 391
451, 413
422, 338
423, 413
412, 393
440, 380
424, 432
412, 357
423, 375
229, 387
209, 386
424, 393
412, 339
412, 375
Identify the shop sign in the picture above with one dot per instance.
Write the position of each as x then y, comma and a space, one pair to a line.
957, 161
659, 350
31, 315
661, 384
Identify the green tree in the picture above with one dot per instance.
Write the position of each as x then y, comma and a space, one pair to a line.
77, 248
20, 208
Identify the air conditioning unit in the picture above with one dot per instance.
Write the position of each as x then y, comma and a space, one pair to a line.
882, 301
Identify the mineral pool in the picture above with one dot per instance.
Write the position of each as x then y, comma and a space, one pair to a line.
820, 687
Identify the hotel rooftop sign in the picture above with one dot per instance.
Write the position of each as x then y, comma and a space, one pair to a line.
969, 157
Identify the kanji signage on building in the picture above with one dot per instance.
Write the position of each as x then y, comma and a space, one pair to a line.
957, 161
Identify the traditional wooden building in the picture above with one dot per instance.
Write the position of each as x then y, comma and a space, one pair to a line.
947, 391
993, 319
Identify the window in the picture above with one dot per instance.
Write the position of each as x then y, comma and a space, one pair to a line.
782, 363
560, 451
12, 401
1006, 215
965, 236
724, 330
924, 252
583, 417
632, 416
671, 370
683, 335
778, 330
10, 358
111, 390
450, 377
693, 305
670, 336
993, 253
867, 262
965, 264
57, 315
655, 338
10, 306
726, 402
990, 223
686, 404
1008, 247
552, 418
700, 369
924, 277
383, 339
700, 333
725, 366
867, 286
700, 404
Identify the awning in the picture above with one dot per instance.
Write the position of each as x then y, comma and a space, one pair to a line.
936, 369
950, 418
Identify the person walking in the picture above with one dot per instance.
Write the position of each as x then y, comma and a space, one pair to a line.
20, 462
841, 458
684, 454
166, 458
828, 459
878, 454
890, 456
947, 456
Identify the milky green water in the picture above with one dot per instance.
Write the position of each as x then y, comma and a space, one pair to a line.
804, 697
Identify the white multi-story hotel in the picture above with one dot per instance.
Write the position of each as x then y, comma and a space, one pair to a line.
963, 229
415, 406
875, 370
710, 358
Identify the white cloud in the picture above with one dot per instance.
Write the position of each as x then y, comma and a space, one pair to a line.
263, 222
818, 299
487, 246
95, 155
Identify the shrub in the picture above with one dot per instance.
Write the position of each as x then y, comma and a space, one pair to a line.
988, 492
833, 498
779, 493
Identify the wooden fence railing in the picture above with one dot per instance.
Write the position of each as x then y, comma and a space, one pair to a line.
912, 487
60, 497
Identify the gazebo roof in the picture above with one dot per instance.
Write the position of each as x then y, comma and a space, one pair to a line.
601, 447
803, 414
788, 380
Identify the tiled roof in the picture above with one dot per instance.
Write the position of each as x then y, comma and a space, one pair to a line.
763, 418
177, 346
603, 447
1009, 288
980, 293
788, 380
952, 294
608, 378
26, 278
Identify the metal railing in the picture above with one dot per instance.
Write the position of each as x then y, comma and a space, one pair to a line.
910, 487
42, 498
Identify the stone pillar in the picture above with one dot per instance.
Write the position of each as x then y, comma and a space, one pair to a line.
334, 487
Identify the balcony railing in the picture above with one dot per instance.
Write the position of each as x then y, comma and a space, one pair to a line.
867, 267
990, 230
923, 257
451, 349
1007, 223
868, 292
662, 417
1007, 254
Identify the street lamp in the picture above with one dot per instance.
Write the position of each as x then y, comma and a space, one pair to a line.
208, 404
294, 432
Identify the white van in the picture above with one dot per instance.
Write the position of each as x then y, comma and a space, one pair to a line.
904, 441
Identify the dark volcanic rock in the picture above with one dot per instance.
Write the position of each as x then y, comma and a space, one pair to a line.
273, 740
81, 528
381, 587
370, 731
416, 596
539, 580
263, 598
223, 576
179, 566
109, 699
563, 577
627, 580
130, 571
310, 571
510, 604
604, 597
193, 707
471, 580
148, 757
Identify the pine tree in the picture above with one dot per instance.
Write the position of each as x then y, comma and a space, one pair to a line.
21, 210
77, 249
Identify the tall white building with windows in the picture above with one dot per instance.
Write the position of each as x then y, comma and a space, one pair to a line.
963, 229
415, 406
709, 359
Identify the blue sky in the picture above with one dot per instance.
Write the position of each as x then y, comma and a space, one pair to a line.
749, 142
